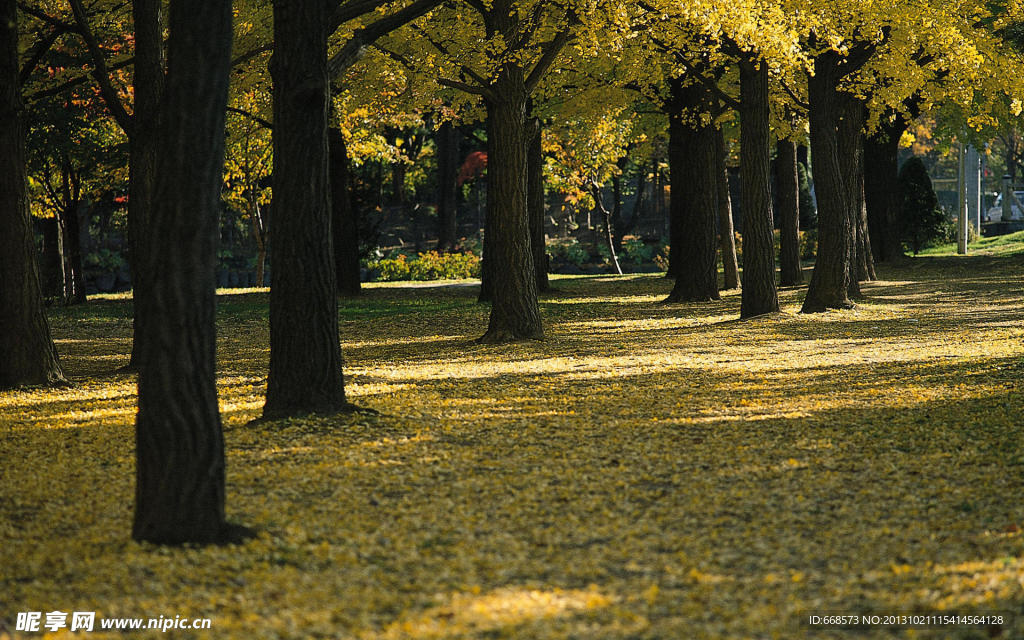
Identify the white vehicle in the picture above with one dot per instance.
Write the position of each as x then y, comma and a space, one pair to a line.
995, 213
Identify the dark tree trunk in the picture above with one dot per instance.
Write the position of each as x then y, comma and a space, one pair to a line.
143, 144
179, 447
53, 259
305, 352
27, 354
447, 186
640, 204
760, 295
694, 196
789, 214
726, 232
515, 313
850, 133
881, 188
535, 203
75, 269
344, 218
865, 256
830, 280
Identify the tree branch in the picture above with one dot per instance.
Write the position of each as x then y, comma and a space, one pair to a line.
266, 124
356, 45
42, 46
549, 55
100, 71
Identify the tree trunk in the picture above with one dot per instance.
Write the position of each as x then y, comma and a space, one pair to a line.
865, 256
830, 279
789, 214
759, 292
27, 354
881, 188
305, 352
447, 186
75, 270
179, 446
344, 218
726, 233
850, 134
52, 271
515, 313
535, 203
606, 219
694, 201
143, 144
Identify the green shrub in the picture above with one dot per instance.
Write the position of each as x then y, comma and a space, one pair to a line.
922, 222
577, 254
637, 250
427, 266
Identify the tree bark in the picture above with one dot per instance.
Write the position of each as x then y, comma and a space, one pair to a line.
535, 204
726, 232
344, 218
850, 134
881, 188
789, 214
760, 295
179, 446
447, 186
305, 352
52, 268
27, 353
830, 280
515, 312
694, 197
143, 144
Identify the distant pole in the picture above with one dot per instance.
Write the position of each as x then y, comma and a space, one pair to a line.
974, 188
961, 194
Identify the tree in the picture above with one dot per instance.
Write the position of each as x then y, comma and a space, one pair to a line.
179, 445
726, 234
305, 353
921, 219
787, 180
27, 353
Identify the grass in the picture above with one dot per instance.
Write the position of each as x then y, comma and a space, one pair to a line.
1008, 245
648, 471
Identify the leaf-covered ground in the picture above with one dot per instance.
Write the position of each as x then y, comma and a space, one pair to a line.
649, 471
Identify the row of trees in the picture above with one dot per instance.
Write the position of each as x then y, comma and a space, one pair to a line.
848, 71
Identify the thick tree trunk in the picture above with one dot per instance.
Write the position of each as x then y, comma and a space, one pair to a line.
179, 447
760, 295
305, 353
865, 255
27, 354
694, 201
515, 313
850, 134
881, 188
447, 186
726, 232
143, 144
830, 280
535, 203
344, 218
789, 214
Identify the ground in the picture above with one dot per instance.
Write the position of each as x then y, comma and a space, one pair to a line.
648, 471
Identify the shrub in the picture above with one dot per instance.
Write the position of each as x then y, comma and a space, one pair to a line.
922, 222
808, 244
427, 266
577, 254
637, 250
